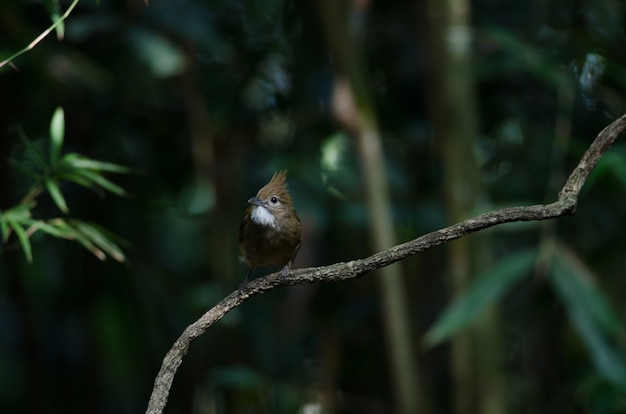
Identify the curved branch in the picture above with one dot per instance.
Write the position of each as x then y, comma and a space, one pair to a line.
565, 205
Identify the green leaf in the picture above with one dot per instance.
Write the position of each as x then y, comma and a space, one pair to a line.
485, 290
4, 228
591, 316
94, 238
51, 229
57, 196
60, 227
33, 151
79, 161
29, 172
73, 233
23, 238
582, 287
54, 8
613, 162
522, 55
75, 177
163, 57
57, 131
102, 182
96, 235
18, 213
60, 29
87, 244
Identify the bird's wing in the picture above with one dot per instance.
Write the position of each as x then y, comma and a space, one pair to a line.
242, 225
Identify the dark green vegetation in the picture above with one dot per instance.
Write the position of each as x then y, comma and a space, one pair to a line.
204, 100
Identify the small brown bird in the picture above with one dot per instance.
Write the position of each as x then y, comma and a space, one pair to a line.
269, 233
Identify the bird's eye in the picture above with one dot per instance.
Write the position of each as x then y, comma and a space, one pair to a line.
274, 200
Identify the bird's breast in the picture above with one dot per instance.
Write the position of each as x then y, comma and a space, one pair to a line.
266, 244
262, 216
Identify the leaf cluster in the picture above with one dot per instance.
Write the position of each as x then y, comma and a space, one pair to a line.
47, 173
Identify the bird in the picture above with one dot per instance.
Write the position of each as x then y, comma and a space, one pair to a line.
269, 233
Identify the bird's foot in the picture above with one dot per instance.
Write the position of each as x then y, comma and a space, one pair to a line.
283, 272
243, 286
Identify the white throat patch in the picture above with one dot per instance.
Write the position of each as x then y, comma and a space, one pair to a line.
261, 215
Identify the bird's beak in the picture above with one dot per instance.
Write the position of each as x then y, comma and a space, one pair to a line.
255, 201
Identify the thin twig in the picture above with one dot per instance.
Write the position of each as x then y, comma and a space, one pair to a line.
40, 37
565, 205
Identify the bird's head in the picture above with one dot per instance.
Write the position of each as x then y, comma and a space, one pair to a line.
272, 204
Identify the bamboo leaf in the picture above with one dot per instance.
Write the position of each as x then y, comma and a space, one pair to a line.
57, 196
18, 213
91, 247
51, 229
521, 54
73, 233
4, 228
581, 285
55, 15
79, 161
33, 150
63, 228
23, 238
57, 132
34, 175
102, 182
485, 290
586, 309
97, 236
75, 177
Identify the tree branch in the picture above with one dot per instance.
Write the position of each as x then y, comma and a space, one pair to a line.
565, 205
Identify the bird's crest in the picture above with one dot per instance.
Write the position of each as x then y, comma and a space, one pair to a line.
277, 186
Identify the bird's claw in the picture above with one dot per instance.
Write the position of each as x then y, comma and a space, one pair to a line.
243, 286
283, 272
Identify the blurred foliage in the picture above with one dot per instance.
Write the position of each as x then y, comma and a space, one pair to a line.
207, 98
486, 290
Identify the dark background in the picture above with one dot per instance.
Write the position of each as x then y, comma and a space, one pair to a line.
205, 100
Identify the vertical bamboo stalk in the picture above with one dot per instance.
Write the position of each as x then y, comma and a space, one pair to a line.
453, 112
357, 114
